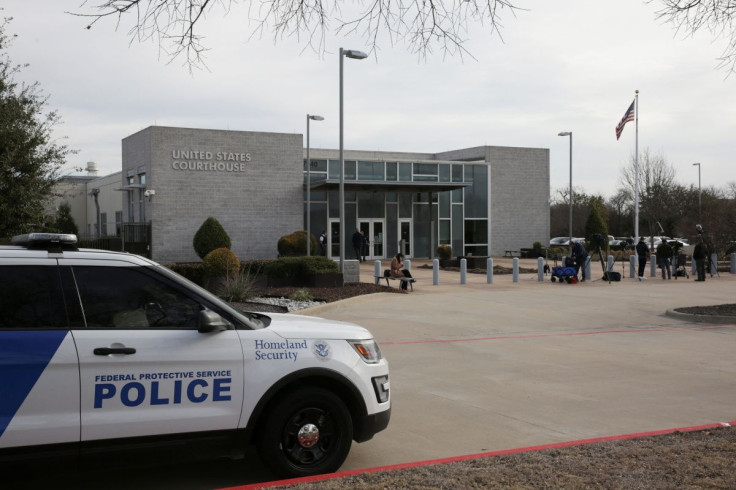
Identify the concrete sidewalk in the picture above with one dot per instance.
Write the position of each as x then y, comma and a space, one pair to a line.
481, 367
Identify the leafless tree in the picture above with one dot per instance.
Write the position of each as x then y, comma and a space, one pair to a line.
425, 25
715, 16
656, 178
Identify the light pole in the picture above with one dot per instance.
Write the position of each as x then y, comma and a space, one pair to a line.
356, 55
309, 184
700, 218
569, 133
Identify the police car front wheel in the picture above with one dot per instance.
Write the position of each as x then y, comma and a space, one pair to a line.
308, 432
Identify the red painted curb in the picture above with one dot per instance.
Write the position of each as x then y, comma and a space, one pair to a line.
343, 474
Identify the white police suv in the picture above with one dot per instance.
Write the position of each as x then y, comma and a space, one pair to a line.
104, 351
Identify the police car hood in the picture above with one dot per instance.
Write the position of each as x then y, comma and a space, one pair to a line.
310, 327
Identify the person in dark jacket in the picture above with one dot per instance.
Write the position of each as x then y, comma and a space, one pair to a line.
664, 255
700, 254
358, 242
579, 257
642, 251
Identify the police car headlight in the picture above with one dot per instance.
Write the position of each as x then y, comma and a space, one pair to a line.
368, 350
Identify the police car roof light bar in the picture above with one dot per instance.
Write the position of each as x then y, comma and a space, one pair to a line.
46, 240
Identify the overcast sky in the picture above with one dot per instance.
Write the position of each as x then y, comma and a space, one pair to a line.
561, 66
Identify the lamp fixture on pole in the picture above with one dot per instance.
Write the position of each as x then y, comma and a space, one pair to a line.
356, 55
309, 185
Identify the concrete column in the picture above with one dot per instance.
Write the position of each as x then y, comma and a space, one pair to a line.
489, 270
463, 271
436, 272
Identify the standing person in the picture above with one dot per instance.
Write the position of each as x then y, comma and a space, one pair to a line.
580, 257
700, 253
643, 252
664, 256
323, 242
397, 269
366, 244
358, 243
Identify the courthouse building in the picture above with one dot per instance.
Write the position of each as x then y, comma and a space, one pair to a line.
482, 201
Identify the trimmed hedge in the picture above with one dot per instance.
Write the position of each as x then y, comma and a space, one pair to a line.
295, 244
221, 262
210, 236
192, 271
300, 267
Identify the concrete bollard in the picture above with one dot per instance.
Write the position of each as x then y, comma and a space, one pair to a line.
587, 269
653, 265
733, 263
435, 272
463, 271
377, 271
540, 269
489, 270
407, 264
632, 266
713, 264
693, 267
611, 263
516, 269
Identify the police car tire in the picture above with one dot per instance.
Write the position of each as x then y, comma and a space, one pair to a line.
278, 446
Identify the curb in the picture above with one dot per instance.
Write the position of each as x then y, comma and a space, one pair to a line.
711, 319
580, 442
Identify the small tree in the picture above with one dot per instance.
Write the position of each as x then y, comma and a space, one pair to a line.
210, 236
596, 226
64, 220
295, 244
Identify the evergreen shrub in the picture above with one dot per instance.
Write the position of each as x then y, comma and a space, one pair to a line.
210, 236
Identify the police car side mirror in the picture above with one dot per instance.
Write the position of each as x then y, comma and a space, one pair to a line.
209, 321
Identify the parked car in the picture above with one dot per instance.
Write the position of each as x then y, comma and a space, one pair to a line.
110, 351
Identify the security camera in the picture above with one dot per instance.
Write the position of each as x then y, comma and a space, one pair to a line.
149, 193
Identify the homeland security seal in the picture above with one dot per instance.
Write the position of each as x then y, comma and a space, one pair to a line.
321, 350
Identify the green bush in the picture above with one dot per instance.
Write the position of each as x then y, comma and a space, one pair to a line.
254, 267
295, 244
288, 267
240, 287
221, 262
444, 252
301, 295
210, 236
194, 272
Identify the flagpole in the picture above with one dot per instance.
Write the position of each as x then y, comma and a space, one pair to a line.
636, 171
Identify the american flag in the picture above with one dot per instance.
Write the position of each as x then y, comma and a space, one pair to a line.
629, 116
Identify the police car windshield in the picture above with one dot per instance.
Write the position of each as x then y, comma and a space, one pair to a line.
251, 320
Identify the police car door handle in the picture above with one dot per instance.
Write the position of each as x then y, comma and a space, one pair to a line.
106, 351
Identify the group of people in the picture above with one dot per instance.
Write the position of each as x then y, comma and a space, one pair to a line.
665, 253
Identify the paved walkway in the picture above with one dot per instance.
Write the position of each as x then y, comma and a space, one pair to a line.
482, 367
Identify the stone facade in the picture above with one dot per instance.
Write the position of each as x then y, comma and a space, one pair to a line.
250, 182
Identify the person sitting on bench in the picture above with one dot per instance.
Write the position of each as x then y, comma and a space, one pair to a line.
397, 269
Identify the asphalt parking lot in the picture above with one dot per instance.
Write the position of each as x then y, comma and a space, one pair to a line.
481, 367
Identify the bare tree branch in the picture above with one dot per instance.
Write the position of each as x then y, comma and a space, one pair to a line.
715, 16
423, 24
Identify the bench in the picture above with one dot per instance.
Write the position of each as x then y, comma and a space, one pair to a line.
408, 280
512, 253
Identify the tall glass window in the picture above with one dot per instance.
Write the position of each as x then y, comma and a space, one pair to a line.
476, 196
391, 171
405, 172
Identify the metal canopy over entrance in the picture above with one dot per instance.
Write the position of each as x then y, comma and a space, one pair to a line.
382, 185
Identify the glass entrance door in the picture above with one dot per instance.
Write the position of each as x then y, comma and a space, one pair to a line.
405, 238
373, 229
333, 239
